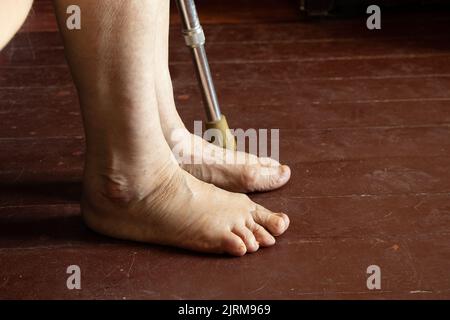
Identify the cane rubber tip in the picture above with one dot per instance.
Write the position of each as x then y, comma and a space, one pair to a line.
227, 140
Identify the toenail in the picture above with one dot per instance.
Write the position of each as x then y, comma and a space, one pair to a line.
284, 173
286, 219
280, 224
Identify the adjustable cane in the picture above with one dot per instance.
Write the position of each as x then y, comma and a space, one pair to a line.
195, 39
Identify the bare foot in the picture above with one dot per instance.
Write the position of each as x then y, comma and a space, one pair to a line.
133, 187
180, 211
228, 169
209, 162
254, 174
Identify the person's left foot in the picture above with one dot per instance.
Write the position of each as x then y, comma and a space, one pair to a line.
212, 164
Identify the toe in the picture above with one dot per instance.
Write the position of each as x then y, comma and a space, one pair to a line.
234, 245
284, 175
247, 236
273, 222
264, 238
278, 176
285, 218
264, 178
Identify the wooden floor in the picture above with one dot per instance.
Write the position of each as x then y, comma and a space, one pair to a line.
365, 126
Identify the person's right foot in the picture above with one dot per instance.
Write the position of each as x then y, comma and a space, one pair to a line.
179, 210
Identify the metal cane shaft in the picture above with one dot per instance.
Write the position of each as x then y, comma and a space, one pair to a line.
195, 39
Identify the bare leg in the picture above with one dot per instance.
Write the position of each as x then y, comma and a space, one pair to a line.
133, 188
12, 15
255, 174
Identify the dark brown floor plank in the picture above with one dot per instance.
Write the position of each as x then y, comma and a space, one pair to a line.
363, 49
333, 269
61, 117
290, 93
293, 93
379, 68
368, 177
407, 67
254, 52
63, 159
17, 197
331, 115
59, 106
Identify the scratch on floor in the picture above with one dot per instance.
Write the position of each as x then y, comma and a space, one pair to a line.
110, 273
411, 262
378, 292
388, 214
421, 291
303, 241
30, 43
383, 100
375, 195
258, 289
131, 265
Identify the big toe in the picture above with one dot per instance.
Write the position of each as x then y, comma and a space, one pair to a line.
265, 178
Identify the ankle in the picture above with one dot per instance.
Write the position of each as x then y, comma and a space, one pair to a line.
124, 186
